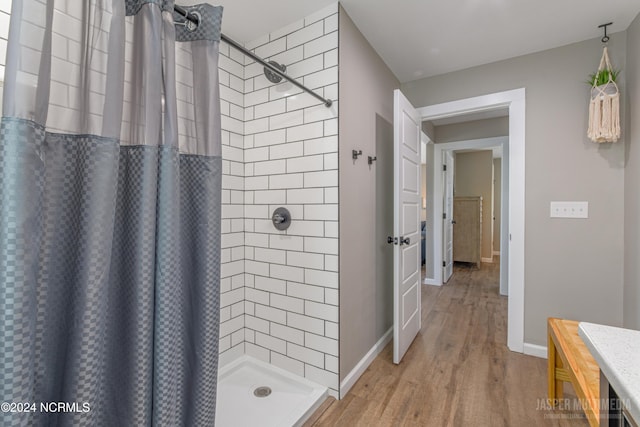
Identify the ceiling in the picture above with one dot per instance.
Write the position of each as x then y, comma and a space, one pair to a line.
422, 38
247, 20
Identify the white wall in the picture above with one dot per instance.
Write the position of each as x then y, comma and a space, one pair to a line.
5, 10
631, 180
231, 87
573, 268
231, 75
291, 160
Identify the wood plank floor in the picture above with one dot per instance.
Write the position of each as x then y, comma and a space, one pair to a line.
458, 371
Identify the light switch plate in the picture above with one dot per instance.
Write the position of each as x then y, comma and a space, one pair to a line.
569, 210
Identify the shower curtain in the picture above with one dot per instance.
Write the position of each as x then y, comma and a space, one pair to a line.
110, 176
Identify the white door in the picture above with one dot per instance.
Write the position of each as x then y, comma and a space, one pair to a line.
406, 226
447, 218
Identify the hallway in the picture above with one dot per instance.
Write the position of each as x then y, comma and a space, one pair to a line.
457, 372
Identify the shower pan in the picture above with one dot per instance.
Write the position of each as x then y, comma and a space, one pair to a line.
252, 393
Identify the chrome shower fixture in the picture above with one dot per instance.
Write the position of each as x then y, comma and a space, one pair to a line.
271, 75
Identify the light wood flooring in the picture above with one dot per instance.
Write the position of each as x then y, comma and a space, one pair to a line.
458, 371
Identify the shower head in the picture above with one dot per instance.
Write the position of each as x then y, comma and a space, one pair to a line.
271, 75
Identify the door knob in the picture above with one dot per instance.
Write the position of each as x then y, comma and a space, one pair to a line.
453, 221
391, 240
405, 241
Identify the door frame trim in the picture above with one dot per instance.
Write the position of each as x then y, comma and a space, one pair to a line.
514, 100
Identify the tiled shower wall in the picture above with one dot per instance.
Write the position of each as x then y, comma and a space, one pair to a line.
5, 10
279, 290
231, 74
291, 160
284, 308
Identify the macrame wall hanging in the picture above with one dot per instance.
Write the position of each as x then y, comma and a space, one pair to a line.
604, 106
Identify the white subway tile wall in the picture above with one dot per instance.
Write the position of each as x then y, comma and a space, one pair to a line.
232, 269
231, 74
279, 298
291, 160
5, 10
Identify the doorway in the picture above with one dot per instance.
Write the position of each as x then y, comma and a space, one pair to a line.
441, 152
512, 247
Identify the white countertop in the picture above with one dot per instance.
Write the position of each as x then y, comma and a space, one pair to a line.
617, 352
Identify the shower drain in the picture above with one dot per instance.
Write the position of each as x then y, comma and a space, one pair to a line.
263, 391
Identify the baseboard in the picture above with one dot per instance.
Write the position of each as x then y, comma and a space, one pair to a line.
487, 260
364, 363
535, 350
431, 282
496, 253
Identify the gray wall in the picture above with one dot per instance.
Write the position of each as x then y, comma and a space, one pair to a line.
429, 130
383, 214
631, 180
497, 202
473, 175
573, 268
475, 129
366, 91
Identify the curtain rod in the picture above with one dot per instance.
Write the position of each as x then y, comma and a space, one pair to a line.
194, 19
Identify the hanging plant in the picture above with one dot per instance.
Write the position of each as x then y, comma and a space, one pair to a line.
604, 106
602, 77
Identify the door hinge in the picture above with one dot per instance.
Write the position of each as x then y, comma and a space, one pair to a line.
444, 168
444, 216
444, 263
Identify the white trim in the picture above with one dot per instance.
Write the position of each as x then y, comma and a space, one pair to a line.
487, 260
496, 253
428, 281
364, 363
535, 350
513, 240
429, 240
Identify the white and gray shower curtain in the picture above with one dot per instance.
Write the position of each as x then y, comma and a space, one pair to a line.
110, 176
